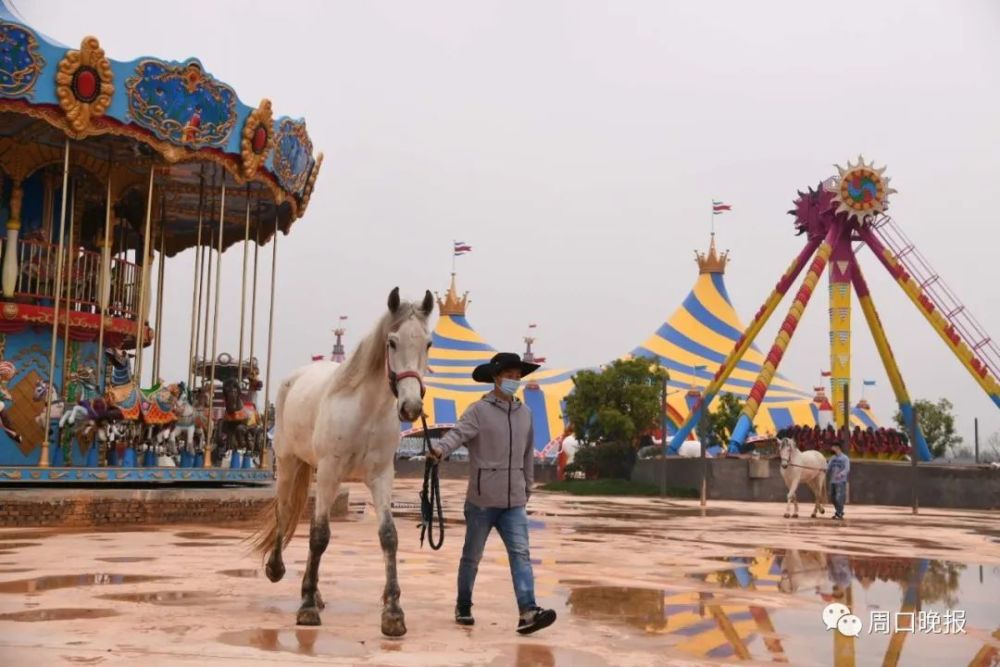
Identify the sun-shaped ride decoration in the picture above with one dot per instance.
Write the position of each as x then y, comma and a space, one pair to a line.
862, 190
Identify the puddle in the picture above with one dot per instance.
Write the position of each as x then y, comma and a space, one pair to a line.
241, 573
14, 570
126, 559
204, 535
52, 582
10, 547
35, 615
540, 655
311, 642
165, 598
25, 534
196, 544
767, 607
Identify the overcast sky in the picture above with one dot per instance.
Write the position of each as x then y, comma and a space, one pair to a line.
577, 147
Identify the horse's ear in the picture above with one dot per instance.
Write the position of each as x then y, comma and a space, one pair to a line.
394, 300
428, 305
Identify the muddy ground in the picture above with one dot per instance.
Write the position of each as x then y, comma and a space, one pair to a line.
635, 582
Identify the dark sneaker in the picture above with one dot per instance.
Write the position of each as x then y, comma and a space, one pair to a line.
838, 517
463, 616
535, 619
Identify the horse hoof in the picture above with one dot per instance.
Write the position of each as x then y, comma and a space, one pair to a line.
787, 515
822, 511
393, 623
813, 516
308, 616
274, 571
795, 516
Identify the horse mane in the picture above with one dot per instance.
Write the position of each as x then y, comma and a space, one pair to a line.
369, 357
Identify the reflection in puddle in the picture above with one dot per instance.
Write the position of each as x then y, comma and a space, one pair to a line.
126, 559
35, 615
787, 590
39, 584
159, 597
241, 573
301, 641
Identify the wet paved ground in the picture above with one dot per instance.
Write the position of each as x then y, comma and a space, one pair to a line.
635, 582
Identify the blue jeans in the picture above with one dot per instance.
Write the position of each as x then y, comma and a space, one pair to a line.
512, 524
838, 494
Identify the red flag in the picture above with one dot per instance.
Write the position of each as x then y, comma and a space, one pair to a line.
826, 374
317, 357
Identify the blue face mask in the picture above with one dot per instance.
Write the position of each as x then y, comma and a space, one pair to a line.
509, 387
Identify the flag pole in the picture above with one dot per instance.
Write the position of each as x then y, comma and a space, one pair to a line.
712, 210
453, 255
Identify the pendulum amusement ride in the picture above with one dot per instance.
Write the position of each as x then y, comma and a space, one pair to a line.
847, 209
107, 168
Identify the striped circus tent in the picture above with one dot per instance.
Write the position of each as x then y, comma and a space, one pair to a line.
457, 349
692, 343
695, 340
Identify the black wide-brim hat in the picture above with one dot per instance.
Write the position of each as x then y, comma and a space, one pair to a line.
502, 361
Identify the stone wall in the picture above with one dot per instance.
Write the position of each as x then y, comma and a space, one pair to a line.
871, 483
105, 507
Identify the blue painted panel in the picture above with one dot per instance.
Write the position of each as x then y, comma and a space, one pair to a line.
444, 411
782, 417
535, 400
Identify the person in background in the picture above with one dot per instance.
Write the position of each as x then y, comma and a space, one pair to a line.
497, 430
837, 470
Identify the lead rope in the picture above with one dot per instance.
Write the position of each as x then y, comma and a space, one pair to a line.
430, 496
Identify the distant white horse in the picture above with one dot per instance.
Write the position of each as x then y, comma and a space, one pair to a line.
344, 421
807, 468
190, 422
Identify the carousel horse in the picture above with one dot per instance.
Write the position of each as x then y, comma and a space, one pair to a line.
807, 468
234, 427
152, 408
191, 422
7, 373
342, 420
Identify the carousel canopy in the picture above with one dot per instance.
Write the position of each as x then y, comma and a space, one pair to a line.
125, 117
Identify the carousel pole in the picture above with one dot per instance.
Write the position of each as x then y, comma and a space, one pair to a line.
161, 268
105, 286
215, 323
43, 461
196, 290
264, 463
140, 325
253, 292
243, 288
208, 292
70, 263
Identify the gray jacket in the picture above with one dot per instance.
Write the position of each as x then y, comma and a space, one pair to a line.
500, 438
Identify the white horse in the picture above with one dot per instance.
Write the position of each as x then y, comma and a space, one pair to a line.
344, 421
189, 423
807, 468
41, 393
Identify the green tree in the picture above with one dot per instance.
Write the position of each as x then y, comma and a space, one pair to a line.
618, 403
937, 424
717, 425
609, 410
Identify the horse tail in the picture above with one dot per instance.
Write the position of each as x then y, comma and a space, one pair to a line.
281, 516
285, 508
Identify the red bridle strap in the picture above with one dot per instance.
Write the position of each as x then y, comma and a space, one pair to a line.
394, 378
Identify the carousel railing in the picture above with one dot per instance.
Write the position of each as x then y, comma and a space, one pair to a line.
36, 279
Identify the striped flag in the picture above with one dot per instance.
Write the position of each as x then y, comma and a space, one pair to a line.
532, 326
343, 318
825, 374
317, 357
461, 247
869, 383
719, 207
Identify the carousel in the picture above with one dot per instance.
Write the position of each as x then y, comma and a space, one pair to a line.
107, 170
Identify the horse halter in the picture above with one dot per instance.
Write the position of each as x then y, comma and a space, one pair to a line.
394, 378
